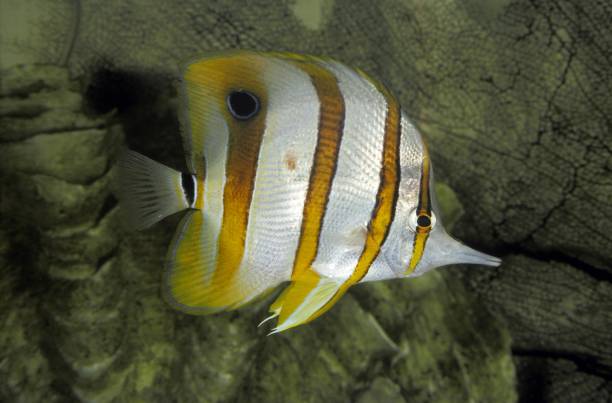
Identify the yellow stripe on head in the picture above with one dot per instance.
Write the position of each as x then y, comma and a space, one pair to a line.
212, 284
240, 73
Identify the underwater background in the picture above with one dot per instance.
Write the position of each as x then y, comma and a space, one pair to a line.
513, 98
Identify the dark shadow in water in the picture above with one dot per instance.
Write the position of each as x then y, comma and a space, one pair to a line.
145, 105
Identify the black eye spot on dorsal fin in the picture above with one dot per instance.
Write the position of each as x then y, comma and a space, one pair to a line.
243, 105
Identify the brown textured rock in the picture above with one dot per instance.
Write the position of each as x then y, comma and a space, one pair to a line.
559, 380
75, 156
41, 100
59, 202
559, 317
553, 300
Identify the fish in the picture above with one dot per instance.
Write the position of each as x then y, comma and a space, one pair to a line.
300, 171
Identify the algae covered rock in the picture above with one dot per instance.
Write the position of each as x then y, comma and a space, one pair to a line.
382, 389
95, 307
60, 278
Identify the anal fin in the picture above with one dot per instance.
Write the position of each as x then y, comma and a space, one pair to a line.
306, 297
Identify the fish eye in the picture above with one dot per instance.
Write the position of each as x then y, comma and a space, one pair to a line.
422, 221
243, 105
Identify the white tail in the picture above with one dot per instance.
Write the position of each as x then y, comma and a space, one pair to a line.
147, 190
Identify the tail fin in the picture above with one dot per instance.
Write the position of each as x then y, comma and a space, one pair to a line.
149, 191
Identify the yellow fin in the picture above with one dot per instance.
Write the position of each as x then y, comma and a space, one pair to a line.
300, 302
188, 284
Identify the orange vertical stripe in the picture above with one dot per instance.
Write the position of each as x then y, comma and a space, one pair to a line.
386, 198
388, 190
238, 71
331, 125
196, 281
241, 167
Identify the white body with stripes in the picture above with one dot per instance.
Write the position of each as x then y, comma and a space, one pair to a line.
303, 170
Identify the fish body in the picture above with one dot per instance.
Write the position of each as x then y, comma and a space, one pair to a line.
301, 170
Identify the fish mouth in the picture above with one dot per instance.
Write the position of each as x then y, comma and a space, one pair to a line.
467, 255
450, 251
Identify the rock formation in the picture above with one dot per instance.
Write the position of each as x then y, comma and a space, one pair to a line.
513, 98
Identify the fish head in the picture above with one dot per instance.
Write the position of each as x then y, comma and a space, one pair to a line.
423, 243
441, 249
430, 246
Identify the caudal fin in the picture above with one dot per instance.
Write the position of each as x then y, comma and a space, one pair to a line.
149, 191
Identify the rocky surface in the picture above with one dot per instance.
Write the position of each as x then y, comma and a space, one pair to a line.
513, 97
85, 321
